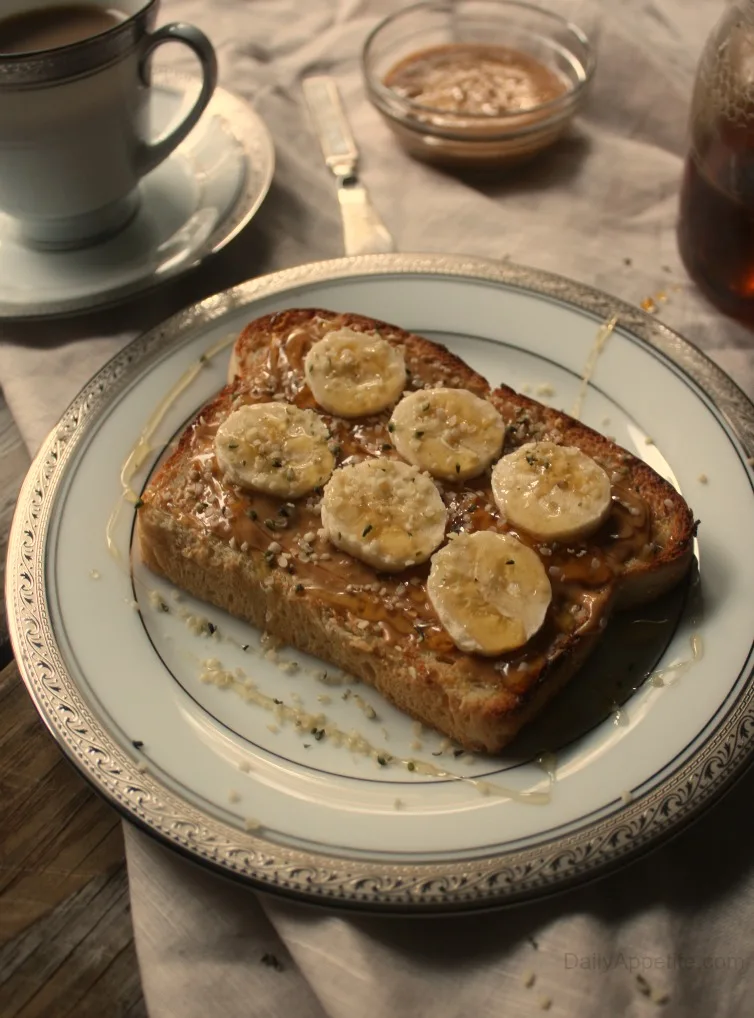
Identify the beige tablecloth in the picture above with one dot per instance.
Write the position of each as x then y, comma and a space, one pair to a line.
601, 208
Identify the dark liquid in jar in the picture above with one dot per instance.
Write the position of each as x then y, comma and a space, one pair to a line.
716, 222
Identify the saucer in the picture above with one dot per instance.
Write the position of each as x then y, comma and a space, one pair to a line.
191, 206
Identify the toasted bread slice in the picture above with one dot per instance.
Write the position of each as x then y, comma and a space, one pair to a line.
265, 561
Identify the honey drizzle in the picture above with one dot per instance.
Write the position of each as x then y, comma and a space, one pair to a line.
142, 447
591, 363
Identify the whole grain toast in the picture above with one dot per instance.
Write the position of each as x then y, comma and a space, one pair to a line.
268, 561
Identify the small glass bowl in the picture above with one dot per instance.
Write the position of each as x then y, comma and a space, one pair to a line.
478, 140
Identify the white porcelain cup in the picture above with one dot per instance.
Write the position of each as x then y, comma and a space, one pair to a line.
74, 124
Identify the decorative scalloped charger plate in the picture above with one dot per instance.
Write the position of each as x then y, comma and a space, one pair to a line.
650, 732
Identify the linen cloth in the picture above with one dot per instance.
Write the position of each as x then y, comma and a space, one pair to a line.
600, 208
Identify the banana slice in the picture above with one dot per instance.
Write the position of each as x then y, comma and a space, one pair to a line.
354, 374
450, 432
491, 593
275, 448
553, 492
384, 512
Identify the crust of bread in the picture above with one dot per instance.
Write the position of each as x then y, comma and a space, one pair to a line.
479, 703
251, 348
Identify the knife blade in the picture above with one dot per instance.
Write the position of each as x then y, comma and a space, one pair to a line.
363, 230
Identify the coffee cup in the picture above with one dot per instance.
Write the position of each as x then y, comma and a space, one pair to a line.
74, 114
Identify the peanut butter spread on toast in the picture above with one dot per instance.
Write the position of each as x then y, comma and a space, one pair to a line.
395, 606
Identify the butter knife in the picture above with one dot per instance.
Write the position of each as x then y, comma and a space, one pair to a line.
363, 230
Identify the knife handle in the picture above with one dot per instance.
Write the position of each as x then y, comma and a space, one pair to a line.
335, 138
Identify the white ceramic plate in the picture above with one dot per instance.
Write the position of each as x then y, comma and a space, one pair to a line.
192, 205
118, 679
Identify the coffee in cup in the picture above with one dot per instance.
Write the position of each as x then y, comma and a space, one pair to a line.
44, 28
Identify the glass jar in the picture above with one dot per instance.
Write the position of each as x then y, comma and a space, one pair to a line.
716, 221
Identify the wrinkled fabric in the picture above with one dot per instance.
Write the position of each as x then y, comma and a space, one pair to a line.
600, 208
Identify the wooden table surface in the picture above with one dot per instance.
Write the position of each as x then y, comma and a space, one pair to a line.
66, 940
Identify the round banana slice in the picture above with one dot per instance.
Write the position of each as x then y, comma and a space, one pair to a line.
384, 512
491, 593
275, 448
450, 432
553, 492
354, 374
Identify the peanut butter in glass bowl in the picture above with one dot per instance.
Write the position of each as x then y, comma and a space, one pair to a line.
476, 83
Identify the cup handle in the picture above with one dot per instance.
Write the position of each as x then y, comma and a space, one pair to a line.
152, 153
